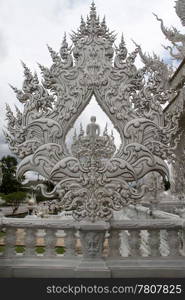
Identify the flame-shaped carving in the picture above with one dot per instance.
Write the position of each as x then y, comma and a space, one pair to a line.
132, 100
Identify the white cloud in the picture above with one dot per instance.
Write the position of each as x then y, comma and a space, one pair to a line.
27, 26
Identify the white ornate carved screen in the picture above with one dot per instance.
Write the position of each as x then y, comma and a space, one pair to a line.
88, 180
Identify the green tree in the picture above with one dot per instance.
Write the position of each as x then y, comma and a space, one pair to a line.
14, 199
9, 182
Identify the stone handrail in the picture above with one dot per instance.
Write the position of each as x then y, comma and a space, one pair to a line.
150, 224
142, 238
69, 224
145, 212
36, 223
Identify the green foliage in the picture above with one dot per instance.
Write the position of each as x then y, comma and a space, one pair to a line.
9, 182
60, 250
19, 249
39, 249
2, 248
2, 234
16, 196
14, 199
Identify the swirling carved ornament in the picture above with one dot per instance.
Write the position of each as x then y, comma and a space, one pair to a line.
103, 181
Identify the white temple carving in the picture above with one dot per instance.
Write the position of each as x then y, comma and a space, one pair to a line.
123, 226
132, 98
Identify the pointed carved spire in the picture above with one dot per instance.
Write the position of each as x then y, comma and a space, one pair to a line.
121, 53
122, 48
92, 27
19, 94
8, 108
64, 50
93, 11
46, 75
13, 88
88, 20
122, 44
54, 55
36, 79
10, 116
103, 25
42, 68
27, 72
82, 25
24, 65
64, 42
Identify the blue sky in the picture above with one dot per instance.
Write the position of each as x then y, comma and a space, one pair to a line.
27, 26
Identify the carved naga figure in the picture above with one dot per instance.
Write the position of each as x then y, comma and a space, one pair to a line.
92, 179
177, 51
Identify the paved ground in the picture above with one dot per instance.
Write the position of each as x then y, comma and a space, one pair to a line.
6, 211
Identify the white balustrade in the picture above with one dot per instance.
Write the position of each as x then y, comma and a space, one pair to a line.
143, 238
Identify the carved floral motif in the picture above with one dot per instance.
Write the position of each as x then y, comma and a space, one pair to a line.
131, 98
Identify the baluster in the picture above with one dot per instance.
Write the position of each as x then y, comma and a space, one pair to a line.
10, 240
164, 248
105, 244
50, 242
134, 242
174, 242
114, 243
30, 242
144, 247
183, 241
78, 246
124, 245
69, 242
154, 241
